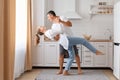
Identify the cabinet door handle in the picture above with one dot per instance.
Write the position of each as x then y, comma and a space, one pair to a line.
52, 45
87, 51
101, 46
87, 56
87, 61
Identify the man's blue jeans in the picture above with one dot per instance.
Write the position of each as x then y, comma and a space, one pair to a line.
75, 41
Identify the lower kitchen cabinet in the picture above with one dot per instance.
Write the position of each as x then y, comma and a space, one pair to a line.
51, 53
110, 54
101, 60
38, 55
87, 57
92, 60
47, 54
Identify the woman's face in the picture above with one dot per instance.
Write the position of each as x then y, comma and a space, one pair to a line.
42, 29
50, 17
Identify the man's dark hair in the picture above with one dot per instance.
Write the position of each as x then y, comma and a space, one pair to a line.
51, 12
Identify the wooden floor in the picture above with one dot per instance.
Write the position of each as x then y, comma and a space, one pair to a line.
30, 75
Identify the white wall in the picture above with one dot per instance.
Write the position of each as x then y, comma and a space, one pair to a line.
96, 26
37, 19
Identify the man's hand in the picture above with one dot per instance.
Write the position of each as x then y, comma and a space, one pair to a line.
57, 20
67, 24
57, 37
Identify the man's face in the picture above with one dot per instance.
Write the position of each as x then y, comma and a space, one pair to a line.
50, 17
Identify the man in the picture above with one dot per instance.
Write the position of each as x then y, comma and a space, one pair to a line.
67, 25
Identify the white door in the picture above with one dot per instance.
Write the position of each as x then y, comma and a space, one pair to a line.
117, 22
38, 56
51, 54
116, 70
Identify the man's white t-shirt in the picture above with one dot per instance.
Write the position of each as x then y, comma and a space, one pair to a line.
67, 30
64, 31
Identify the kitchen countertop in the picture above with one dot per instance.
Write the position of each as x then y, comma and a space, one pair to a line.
100, 40
92, 40
95, 40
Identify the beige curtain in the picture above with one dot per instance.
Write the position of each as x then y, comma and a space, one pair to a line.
1, 39
9, 39
28, 63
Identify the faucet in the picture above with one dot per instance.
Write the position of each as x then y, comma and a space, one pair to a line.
110, 33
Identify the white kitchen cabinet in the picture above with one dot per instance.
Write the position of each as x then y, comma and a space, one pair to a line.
51, 54
87, 57
110, 54
47, 54
101, 60
92, 60
38, 57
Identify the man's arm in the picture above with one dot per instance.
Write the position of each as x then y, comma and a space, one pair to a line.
64, 21
68, 23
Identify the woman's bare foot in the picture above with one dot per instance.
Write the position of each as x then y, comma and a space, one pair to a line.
99, 52
65, 73
59, 72
80, 72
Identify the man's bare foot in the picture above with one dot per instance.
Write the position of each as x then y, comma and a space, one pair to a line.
99, 52
59, 72
80, 72
65, 73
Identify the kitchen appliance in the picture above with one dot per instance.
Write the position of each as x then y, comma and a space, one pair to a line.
116, 69
79, 47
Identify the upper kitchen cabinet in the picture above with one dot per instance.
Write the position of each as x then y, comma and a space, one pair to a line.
67, 8
101, 7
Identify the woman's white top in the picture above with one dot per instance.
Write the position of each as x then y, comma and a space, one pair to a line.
58, 29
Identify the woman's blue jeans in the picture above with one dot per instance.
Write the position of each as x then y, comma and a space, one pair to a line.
75, 41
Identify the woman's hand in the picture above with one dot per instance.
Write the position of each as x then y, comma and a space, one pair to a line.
36, 40
57, 37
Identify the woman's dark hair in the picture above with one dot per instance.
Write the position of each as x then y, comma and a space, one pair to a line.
51, 12
39, 33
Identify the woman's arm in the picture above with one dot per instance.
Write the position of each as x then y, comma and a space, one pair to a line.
57, 37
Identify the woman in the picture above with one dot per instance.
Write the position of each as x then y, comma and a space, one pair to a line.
67, 43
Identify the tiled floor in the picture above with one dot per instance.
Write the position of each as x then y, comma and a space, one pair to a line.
30, 75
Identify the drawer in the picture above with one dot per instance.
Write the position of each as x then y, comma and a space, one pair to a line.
88, 58
87, 62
